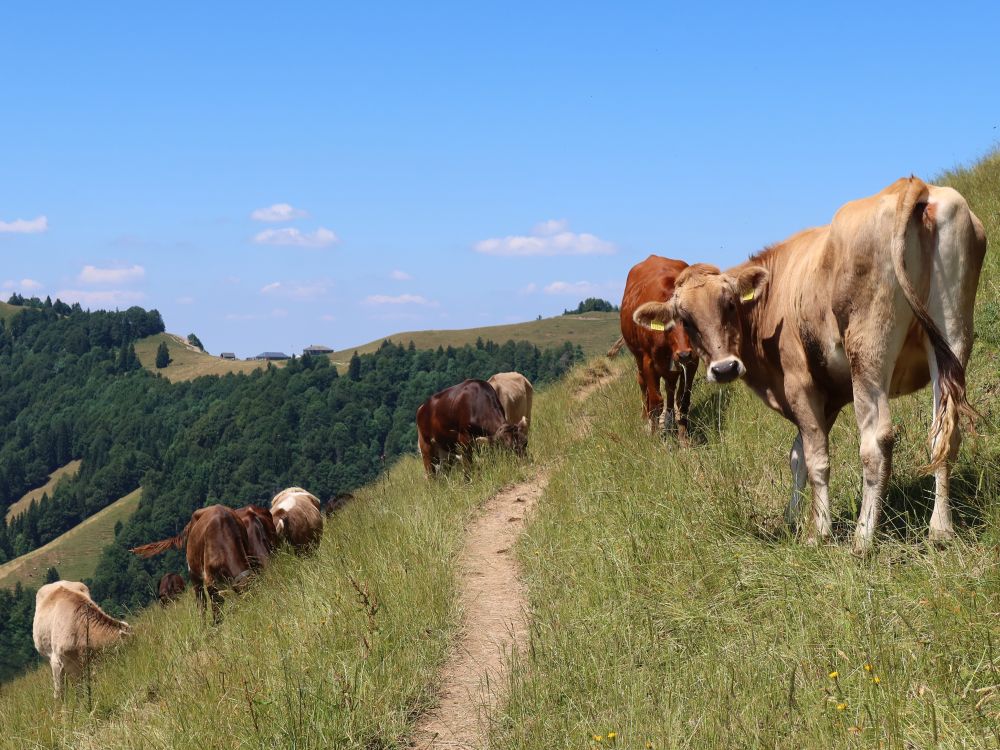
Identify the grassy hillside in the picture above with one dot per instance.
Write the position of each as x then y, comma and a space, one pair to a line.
8, 311
17, 508
595, 332
669, 606
75, 553
187, 362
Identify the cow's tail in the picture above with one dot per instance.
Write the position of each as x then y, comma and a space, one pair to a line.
156, 548
613, 351
954, 403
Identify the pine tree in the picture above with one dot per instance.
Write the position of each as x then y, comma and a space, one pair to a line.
162, 355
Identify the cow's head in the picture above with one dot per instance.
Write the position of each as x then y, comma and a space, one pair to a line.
710, 305
514, 437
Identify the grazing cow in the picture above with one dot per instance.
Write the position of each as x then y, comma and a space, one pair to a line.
262, 536
515, 394
69, 627
170, 589
297, 518
218, 553
659, 354
336, 502
456, 419
873, 306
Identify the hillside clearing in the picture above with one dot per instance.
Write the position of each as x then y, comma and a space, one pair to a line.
70, 470
75, 553
188, 362
8, 311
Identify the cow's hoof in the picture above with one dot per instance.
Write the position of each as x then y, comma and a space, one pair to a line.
940, 536
862, 547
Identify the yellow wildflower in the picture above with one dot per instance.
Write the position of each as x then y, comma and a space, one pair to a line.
611, 735
649, 745
868, 667
834, 674
877, 680
597, 738
841, 706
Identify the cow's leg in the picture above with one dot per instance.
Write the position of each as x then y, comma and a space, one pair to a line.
427, 454
941, 528
814, 427
651, 390
669, 413
685, 380
797, 462
58, 675
199, 594
216, 596
871, 407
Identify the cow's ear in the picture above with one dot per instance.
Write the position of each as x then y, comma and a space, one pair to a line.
656, 316
751, 283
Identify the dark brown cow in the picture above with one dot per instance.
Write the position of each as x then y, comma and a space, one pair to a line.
336, 502
170, 589
217, 553
261, 534
877, 304
454, 420
659, 354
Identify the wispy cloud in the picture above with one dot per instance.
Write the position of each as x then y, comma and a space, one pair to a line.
24, 285
529, 288
584, 288
310, 290
95, 275
399, 299
398, 275
25, 226
322, 237
278, 212
102, 297
551, 237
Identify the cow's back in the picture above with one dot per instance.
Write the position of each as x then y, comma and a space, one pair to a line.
467, 410
297, 512
652, 280
515, 394
56, 606
217, 545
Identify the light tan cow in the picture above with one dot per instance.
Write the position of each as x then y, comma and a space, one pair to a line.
297, 518
515, 394
877, 304
69, 627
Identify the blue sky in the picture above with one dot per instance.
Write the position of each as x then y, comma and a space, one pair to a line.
450, 165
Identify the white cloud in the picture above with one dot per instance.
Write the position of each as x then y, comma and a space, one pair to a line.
297, 290
547, 238
399, 299
103, 297
25, 226
24, 285
95, 275
292, 236
576, 287
398, 275
278, 212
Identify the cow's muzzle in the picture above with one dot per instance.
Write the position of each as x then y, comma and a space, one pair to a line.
725, 371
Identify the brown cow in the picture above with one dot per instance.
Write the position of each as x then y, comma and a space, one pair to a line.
170, 589
261, 534
454, 420
69, 627
297, 518
218, 553
336, 502
515, 394
875, 305
659, 354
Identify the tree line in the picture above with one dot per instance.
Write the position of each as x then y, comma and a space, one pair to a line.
71, 388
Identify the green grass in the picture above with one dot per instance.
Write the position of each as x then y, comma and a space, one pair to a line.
75, 553
594, 332
187, 363
17, 508
8, 311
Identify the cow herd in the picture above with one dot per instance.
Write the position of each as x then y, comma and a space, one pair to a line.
877, 304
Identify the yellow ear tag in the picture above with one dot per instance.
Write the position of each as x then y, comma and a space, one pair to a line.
748, 296
655, 325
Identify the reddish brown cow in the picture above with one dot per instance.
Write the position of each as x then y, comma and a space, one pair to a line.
454, 420
170, 589
217, 553
659, 354
261, 534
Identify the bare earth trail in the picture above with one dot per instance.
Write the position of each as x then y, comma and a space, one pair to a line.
494, 615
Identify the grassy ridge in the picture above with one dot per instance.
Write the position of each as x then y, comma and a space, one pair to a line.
187, 363
8, 311
17, 508
75, 553
671, 607
301, 661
